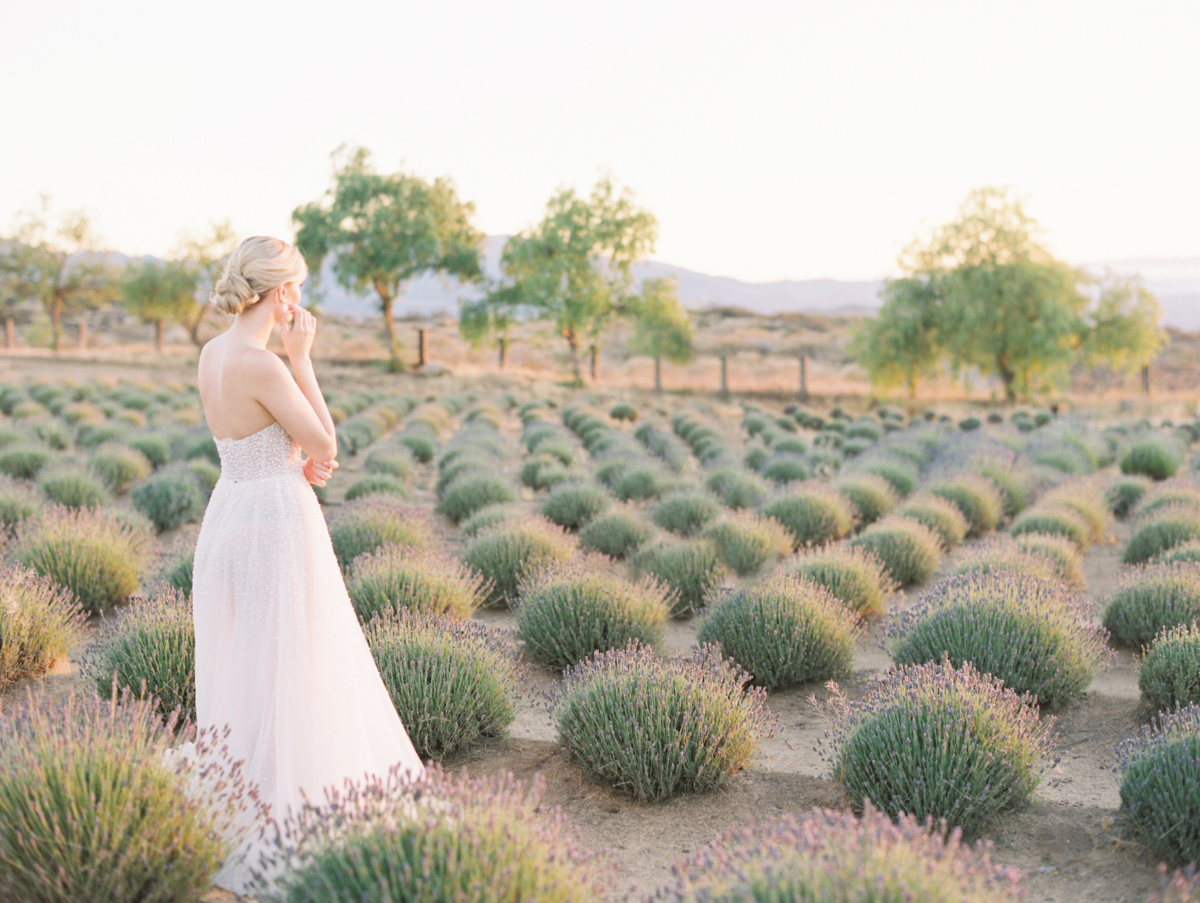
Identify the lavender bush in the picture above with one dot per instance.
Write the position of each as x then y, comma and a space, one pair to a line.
737, 488
909, 550
815, 513
654, 728
1059, 552
39, 624
745, 542
1029, 632
872, 496
975, 496
1169, 675
506, 553
424, 580
939, 515
366, 524
939, 742
1165, 528
1156, 456
783, 631
1160, 784
691, 570
616, 534
854, 576
574, 504
1152, 599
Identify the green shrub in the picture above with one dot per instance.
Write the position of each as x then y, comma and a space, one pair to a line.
736, 488
376, 484
654, 728
1003, 553
899, 473
831, 857
73, 488
206, 473
465, 496
1157, 457
623, 411
1167, 494
452, 680
573, 505
404, 577
570, 610
421, 444
784, 631
815, 513
366, 524
39, 624
487, 516
24, 462
789, 445
1052, 520
617, 534
871, 495
18, 500
485, 840
976, 497
1169, 676
909, 550
686, 511
89, 552
784, 468
1188, 551
91, 436
92, 809
156, 448
1160, 784
746, 541
1152, 599
1063, 556
941, 516
854, 576
169, 498
1029, 632
1169, 527
691, 570
984, 745
149, 651
639, 482
175, 568
507, 553
392, 462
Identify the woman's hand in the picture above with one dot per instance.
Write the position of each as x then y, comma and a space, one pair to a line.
319, 472
297, 331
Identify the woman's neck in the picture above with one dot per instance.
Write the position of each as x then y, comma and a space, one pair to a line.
255, 324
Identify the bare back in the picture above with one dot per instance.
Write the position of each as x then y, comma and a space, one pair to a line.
227, 378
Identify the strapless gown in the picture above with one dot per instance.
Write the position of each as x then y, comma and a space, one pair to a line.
280, 656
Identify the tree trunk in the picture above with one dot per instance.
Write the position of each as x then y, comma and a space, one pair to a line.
724, 376
422, 348
1145, 379
10, 339
912, 384
82, 334
1008, 377
159, 329
573, 344
503, 351
55, 321
804, 377
657, 373
385, 305
194, 328
595, 354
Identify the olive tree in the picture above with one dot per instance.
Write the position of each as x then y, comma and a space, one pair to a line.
159, 292
661, 326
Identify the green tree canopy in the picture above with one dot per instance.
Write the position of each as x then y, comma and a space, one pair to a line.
58, 266
158, 292
984, 291
1125, 333
384, 229
205, 255
661, 326
573, 268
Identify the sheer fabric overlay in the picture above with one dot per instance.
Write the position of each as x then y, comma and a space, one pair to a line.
280, 656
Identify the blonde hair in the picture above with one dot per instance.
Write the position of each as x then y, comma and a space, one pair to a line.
259, 264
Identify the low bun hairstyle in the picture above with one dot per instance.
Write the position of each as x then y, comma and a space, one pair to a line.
259, 264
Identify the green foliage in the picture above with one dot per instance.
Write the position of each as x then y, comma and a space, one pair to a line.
639, 482
93, 554
575, 504
156, 292
1029, 632
832, 857
686, 511
1154, 456
18, 500
366, 524
1059, 552
376, 484
654, 728
617, 534
783, 631
691, 570
736, 488
150, 652
1053, 520
1188, 551
156, 448
976, 497
815, 513
745, 541
570, 610
487, 516
404, 577
452, 680
940, 515
1169, 676
382, 230
175, 568
661, 325
1153, 599
169, 498
1167, 494
392, 462
871, 495
901, 344
470, 840
939, 742
852, 575
909, 550
24, 462
1160, 784
468, 494
73, 488
507, 553
1169, 527
40, 624
784, 468
206, 473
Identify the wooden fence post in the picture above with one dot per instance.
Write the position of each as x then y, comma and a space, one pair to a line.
10, 339
421, 348
724, 376
657, 373
1146, 379
804, 377
503, 351
82, 335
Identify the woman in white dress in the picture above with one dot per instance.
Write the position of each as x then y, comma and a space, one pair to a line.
280, 656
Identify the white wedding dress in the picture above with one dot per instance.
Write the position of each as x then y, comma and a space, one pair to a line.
280, 656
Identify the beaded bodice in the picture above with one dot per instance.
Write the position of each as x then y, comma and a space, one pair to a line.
270, 452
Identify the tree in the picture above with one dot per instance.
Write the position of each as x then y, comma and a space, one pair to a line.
575, 267
383, 230
205, 255
661, 326
902, 343
160, 291
60, 268
1125, 334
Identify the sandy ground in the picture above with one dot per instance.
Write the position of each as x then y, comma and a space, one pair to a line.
1071, 841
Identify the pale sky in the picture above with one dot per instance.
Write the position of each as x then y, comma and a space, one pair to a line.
773, 140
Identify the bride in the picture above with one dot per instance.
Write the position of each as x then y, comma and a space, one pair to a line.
280, 657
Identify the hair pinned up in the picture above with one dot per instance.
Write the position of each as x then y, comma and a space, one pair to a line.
259, 264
